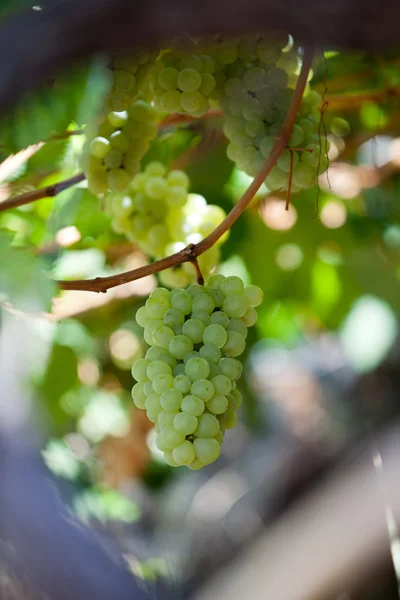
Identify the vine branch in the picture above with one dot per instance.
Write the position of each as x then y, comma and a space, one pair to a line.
191, 252
46, 192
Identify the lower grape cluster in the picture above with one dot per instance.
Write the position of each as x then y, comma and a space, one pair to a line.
187, 381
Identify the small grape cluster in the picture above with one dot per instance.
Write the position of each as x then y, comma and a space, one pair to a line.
259, 78
161, 217
183, 80
187, 381
130, 76
113, 149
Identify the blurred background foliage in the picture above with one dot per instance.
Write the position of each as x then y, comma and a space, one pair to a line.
329, 266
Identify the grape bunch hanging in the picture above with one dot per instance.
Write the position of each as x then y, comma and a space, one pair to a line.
187, 381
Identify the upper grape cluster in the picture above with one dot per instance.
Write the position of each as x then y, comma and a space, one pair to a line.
187, 381
160, 215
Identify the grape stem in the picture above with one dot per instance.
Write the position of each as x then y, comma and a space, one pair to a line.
196, 266
191, 252
46, 192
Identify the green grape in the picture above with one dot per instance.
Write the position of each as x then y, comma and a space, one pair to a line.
189, 80
178, 178
171, 101
218, 404
222, 384
254, 295
203, 316
171, 400
220, 318
208, 426
99, 147
210, 352
180, 346
192, 61
207, 450
250, 317
166, 418
157, 307
215, 281
192, 354
202, 388
197, 368
162, 383
235, 344
173, 317
231, 368
239, 326
184, 454
182, 383
195, 289
179, 370
148, 388
191, 101
169, 459
185, 423
196, 465
155, 352
182, 301
235, 306
157, 367
203, 302
216, 335
170, 360
139, 369
192, 405
168, 78
172, 438
230, 420
153, 406
194, 329
238, 399
162, 335
138, 395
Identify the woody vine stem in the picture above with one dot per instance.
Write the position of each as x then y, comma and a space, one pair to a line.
191, 252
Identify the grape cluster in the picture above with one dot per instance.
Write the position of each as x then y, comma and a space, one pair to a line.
130, 76
259, 78
183, 79
187, 381
161, 217
113, 149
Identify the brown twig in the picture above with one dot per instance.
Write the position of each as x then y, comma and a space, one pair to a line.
65, 135
289, 189
102, 284
177, 119
199, 274
46, 192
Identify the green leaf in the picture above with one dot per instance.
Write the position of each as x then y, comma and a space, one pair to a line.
75, 96
23, 280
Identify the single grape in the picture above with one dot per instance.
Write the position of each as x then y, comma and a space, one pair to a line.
180, 346
203, 388
139, 369
192, 405
207, 449
138, 395
189, 80
250, 317
231, 368
239, 326
194, 329
148, 388
235, 306
153, 406
197, 368
232, 285
173, 317
172, 438
169, 459
157, 367
235, 344
185, 423
182, 301
155, 353
203, 316
216, 335
171, 400
254, 295
218, 404
220, 318
166, 418
203, 302
222, 384
210, 352
184, 454
182, 383
230, 420
162, 383
208, 426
